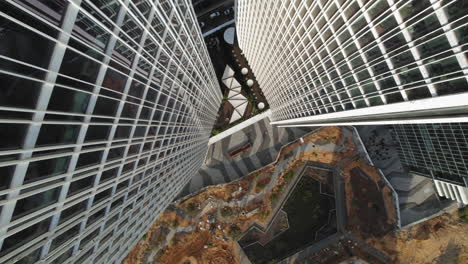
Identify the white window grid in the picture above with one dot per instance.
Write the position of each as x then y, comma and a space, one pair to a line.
288, 41
159, 163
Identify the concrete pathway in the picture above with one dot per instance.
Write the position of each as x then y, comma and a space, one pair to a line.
266, 142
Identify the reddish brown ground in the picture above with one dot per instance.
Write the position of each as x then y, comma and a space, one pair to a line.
369, 202
441, 240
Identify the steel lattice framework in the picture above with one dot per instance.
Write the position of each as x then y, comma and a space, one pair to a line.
358, 62
106, 107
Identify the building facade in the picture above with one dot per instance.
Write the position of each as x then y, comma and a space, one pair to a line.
438, 151
358, 62
106, 107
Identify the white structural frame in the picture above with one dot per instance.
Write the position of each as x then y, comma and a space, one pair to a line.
168, 103
357, 62
452, 191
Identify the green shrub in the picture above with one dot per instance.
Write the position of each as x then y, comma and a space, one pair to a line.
288, 175
280, 188
262, 183
175, 224
260, 186
215, 132
226, 211
274, 197
463, 214
263, 214
234, 232
191, 207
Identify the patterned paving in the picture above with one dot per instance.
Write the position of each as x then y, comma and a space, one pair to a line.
266, 141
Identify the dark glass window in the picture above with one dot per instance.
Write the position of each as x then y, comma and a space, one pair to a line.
102, 195
57, 134
105, 106
115, 153
395, 44
111, 220
453, 86
32, 257
151, 96
140, 131
129, 110
15, 43
88, 238
106, 237
35, 202
80, 185
76, 66
392, 93
122, 132
426, 26
101, 255
73, 210
24, 236
88, 159
114, 80
46, 168
405, 58
58, 8
110, 9
95, 133
85, 256
68, 101
62, 258
122, 185
17, 92
127, 167
12, 135
16, 40
108, 175
96, 35
64, 237
6, 174
96, 216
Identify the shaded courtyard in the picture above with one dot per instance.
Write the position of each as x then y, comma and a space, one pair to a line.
311, 217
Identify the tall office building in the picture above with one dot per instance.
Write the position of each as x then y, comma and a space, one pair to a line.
334, 62
437, 151
106, 107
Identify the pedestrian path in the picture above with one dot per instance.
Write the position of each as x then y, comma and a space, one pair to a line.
266, 142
